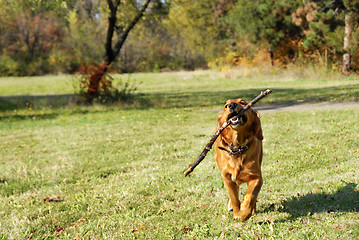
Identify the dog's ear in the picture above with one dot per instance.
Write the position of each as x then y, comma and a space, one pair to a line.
256, 126
242, 102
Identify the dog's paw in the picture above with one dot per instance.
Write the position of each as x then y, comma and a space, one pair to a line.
236, 217
245, 214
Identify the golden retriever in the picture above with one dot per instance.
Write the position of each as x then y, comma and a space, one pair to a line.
238, 153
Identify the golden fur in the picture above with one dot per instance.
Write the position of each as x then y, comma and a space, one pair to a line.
242, 167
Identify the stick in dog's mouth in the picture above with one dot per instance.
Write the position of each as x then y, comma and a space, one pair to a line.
238, 120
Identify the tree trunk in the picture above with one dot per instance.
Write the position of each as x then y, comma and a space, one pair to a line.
271, 57
112, 52
346, 46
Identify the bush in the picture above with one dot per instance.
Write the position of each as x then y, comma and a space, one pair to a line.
95, 85
8, 66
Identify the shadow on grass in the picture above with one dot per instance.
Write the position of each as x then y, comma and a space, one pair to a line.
31, 116
279, 96
195, 99
21, 102
346, 199
10, 187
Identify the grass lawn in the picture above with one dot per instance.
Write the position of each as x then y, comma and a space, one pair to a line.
117, 172
189, 89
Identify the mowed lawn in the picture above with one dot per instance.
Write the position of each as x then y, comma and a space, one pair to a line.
116, 172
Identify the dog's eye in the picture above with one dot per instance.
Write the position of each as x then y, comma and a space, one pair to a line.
225, 106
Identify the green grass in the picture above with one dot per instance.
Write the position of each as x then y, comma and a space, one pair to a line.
188, 89
43, 85
119, 171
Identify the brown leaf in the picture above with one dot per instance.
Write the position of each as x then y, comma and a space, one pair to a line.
331, 211
272, 206
53, 199
222, 234
258, 235
186, 229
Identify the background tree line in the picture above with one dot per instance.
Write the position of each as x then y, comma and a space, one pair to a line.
56, 36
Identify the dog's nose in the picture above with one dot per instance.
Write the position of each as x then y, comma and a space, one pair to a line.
232, 106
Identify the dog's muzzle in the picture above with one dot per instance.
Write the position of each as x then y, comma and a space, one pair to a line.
238, 120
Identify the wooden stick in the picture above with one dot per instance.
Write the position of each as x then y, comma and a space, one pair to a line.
220, 130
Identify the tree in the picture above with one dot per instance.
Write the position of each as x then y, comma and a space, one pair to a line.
84, 31
346, 45
151, 37
30, 30
190, 22
338, 6
351, 9
117, 31
329, 28
265, 23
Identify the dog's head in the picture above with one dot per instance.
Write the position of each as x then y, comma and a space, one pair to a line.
247, 123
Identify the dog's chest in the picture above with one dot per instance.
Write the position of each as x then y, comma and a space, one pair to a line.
235, 167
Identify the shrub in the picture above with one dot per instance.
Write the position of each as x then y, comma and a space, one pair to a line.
8, 66
95, 85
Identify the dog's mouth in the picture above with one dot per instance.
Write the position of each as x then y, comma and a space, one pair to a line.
238, 120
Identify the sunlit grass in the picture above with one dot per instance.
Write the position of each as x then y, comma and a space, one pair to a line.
201, 80
117, 171
120, 175
205, 89
39, 85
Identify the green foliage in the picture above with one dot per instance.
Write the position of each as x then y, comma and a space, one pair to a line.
171, 36
84, 40
322, 30
148, 47
31, 31
40, 37
8, 66
191, 23
264, 22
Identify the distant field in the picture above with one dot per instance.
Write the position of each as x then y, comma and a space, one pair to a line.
175, 82
116, 172
43, 85
188, 89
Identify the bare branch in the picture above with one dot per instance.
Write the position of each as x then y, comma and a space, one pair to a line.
125, 33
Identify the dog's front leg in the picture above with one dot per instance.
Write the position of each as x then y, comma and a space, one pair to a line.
249, 203
232, 189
